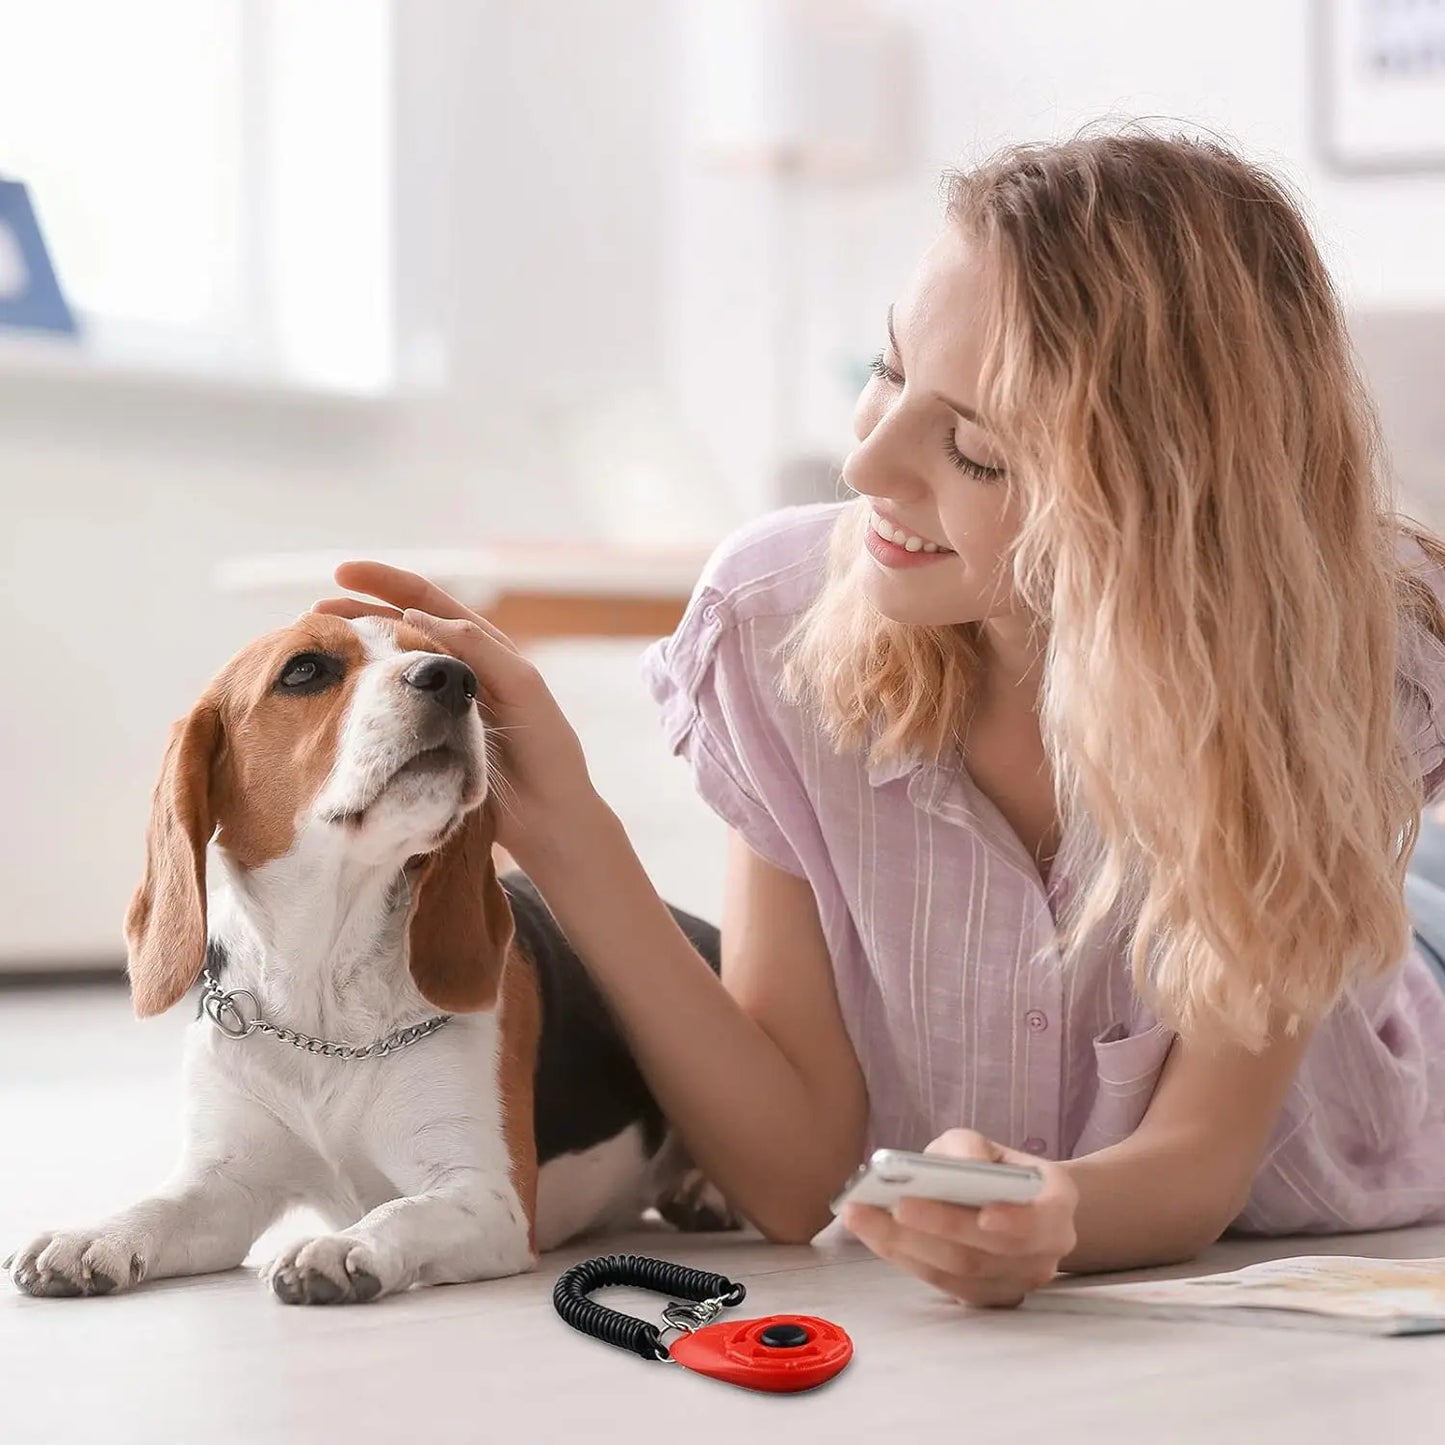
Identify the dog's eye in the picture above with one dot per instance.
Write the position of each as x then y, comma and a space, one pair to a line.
307, 672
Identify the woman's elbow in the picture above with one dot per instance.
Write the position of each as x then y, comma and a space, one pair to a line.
1188, 1248
1199, 1234
792, 1222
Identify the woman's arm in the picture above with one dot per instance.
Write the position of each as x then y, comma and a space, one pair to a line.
1160, 1196
1171, 1188
755, 1069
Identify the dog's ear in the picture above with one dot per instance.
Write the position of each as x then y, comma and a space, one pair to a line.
461, 922
165, 926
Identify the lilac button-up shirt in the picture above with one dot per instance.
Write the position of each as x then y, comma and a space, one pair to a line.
941, 932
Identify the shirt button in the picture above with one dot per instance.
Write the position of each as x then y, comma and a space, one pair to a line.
1036, 1020
1034, 1145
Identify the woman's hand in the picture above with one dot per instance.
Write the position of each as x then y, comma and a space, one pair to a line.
545, 773
993, 1256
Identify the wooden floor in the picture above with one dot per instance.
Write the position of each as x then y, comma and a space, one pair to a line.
87, 1114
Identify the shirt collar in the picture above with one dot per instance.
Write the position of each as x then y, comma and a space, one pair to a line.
889, 770
946, 792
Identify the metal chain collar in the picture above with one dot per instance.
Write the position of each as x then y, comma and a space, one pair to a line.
223, 1011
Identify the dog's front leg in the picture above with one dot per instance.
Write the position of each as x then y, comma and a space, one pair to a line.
237, 1173
468, 1226
196, 1225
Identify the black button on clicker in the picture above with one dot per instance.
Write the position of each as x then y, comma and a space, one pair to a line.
785, 1337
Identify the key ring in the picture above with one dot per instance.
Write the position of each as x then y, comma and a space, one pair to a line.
776, 1353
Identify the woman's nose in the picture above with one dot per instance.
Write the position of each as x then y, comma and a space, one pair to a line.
880, 467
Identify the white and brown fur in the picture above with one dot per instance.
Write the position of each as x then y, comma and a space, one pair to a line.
329, 846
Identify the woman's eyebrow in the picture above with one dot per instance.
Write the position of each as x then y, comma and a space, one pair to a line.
966, 412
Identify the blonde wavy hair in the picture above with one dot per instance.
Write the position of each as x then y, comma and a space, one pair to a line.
1210, 547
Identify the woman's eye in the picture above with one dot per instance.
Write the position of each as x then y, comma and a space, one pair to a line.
881, 369
968, 465
304, 672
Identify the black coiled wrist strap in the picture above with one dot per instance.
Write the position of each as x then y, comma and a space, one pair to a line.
626, 1332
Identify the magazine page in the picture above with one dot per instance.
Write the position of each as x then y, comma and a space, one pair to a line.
1384, 1295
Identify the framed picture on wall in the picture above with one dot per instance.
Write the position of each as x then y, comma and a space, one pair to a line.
1379, 82
30, 295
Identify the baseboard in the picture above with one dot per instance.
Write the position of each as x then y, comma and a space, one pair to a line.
14, 977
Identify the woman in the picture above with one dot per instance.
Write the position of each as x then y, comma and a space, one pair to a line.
1072, 767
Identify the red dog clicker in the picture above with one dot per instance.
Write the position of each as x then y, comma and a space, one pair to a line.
778, 1353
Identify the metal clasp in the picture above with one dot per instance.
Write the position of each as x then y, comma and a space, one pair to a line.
226, 1014
688, 1318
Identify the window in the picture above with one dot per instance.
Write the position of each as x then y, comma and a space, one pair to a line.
213, 178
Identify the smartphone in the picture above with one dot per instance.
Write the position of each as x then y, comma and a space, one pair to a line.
894, 1174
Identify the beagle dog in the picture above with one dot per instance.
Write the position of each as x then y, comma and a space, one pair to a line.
390, 1034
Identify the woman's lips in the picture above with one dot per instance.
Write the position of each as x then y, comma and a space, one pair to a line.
894, 546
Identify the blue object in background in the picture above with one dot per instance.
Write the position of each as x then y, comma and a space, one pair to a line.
30, 295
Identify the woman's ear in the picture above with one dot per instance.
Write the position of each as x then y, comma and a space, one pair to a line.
165, 926
461, 922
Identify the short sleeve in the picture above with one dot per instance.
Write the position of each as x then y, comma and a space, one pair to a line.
715, 684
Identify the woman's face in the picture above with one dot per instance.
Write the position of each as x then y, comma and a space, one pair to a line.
942, 518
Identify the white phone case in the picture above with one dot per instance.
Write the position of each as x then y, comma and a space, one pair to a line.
894, 1174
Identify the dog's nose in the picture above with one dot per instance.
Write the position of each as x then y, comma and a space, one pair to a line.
451, 683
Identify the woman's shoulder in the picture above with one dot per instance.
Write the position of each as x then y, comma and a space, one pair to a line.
755, 585
716, 678
773, 566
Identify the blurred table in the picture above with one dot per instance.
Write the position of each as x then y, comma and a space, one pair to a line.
533, 592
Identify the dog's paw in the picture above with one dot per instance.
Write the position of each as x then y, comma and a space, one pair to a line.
76, 1262
331, 1270
695, 1205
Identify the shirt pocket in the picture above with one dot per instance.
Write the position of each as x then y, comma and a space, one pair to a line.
1127, 1069
1370, 1077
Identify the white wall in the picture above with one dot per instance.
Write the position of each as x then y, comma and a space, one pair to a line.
532, 185
1241, 67
990, 73
556, 229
